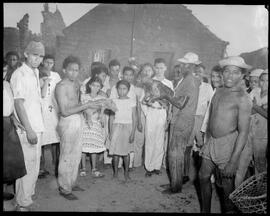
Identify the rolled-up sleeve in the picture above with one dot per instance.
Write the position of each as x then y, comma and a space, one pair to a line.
18, 85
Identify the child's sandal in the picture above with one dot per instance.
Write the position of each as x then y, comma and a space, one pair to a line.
97, 174
83, 172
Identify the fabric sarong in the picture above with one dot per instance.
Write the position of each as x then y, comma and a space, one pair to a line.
70, 133
219, 150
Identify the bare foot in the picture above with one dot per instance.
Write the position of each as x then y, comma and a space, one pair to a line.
127, 178
115, 177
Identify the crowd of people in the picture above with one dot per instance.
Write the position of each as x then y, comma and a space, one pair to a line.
202, 132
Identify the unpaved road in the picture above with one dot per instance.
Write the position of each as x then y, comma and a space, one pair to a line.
106, 195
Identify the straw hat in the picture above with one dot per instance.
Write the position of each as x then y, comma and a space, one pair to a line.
256, 72
234, 60
190, 58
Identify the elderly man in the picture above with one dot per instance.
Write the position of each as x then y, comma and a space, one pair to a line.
184, 107
228, 128
27, 100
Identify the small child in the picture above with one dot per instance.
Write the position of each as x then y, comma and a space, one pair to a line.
122, 128
94, 131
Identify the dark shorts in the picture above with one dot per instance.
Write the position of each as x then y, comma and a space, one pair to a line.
13, 159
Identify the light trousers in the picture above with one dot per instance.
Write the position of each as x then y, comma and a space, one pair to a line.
154, 139
25, 186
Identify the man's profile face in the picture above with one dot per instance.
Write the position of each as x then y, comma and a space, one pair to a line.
160, 69
48, 64
177, 73
115, 70
12, 61
72, 71
232, 76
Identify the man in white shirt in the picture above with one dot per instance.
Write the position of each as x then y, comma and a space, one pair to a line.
27, 97
205, 94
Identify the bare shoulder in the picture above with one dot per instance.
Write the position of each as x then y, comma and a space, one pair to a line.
244, 100
61, 86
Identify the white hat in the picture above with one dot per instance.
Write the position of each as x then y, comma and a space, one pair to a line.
190, 58
256, 72
234, 60
265, 71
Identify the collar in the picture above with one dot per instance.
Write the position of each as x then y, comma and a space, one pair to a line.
28, 69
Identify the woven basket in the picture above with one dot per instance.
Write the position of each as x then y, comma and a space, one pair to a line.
251, 195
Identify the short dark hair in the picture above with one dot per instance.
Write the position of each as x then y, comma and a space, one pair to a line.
93, 79
123, 82
114, 62
98, 70
49, 56
217, 68
12, 53
96, 64
71, 60
159, 60
127, 68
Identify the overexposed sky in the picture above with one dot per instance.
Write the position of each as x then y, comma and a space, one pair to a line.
245, 27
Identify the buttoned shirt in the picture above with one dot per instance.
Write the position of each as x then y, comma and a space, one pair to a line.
25, 85
206, 116
205, 94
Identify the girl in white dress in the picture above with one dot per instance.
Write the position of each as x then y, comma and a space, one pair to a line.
48, 81
122, 128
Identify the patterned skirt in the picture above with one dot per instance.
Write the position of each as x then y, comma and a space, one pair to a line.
93, 140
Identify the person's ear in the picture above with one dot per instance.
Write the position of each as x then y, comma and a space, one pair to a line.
64, 71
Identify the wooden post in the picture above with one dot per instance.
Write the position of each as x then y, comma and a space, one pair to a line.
132, 31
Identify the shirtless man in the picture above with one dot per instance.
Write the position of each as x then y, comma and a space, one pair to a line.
228, 128
70, 127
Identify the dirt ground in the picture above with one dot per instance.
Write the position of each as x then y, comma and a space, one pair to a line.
106, 195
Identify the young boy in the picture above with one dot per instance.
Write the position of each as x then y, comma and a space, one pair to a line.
70, 127
228, 128
48, 82
26, 90
156, 124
